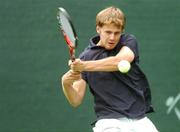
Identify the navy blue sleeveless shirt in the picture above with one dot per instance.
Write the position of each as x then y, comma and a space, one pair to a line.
116, 94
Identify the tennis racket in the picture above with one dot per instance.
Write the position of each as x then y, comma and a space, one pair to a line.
68, 31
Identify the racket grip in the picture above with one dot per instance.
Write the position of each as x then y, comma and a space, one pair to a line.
73, 58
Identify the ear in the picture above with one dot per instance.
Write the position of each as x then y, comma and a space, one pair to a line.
98, 29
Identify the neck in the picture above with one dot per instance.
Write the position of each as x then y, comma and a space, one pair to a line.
99, 43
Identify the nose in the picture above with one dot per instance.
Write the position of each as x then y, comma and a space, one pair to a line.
112, 36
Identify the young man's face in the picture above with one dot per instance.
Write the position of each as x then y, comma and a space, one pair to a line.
109, 36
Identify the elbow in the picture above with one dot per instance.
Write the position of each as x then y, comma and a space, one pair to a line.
75, 105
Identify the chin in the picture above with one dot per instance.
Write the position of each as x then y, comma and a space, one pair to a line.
110, 47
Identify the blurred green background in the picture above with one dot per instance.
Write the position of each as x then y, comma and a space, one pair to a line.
33, 57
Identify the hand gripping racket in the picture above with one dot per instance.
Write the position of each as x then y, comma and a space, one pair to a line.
68, 31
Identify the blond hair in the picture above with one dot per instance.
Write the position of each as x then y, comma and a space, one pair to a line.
111, 15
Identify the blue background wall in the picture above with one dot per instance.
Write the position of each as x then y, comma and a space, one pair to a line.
33, 57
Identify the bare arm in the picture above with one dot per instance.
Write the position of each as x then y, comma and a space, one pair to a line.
73, 87
106, 64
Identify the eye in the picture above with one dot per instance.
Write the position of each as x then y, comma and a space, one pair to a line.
117, 33
108, 32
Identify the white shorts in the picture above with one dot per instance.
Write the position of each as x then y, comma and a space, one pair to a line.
125, 125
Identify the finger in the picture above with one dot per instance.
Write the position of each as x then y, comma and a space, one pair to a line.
73, 67
75, 72
76, 61
69, 62
74, 77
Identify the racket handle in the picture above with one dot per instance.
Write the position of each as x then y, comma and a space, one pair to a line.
73, 58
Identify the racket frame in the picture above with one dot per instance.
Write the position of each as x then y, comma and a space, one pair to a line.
67, 39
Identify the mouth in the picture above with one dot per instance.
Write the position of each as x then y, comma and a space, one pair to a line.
111, 43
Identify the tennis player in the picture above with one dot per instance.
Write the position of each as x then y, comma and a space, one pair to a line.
121, 101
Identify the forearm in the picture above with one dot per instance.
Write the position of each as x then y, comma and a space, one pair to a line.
71, 94
107, 64
73, 87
